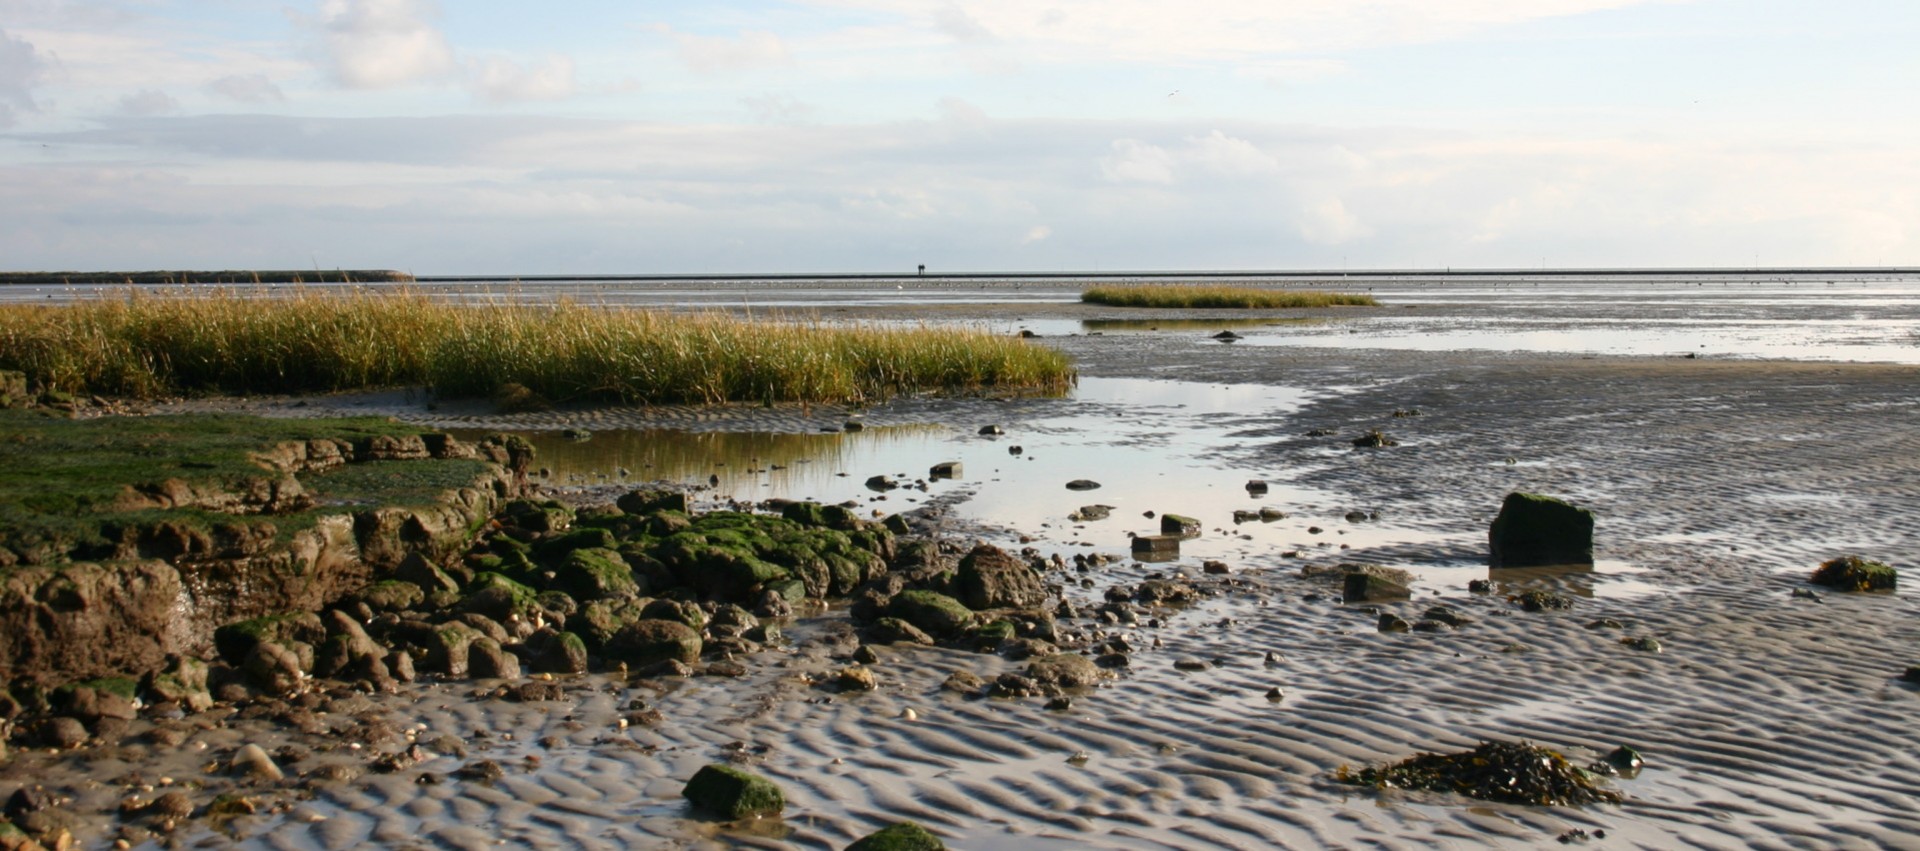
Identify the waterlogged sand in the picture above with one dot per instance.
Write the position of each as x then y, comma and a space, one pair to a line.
1766, 720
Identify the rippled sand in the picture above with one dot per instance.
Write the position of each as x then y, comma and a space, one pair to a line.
1767, 720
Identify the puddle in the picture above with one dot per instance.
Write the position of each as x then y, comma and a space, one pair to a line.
1152, 446
1891, 340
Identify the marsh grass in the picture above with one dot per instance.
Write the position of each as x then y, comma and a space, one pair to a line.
1212, 295
146, 345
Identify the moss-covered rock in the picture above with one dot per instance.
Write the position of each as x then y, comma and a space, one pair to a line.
447, 648
934, 613
562, 653
731, 793
679, 611
1179, 525
236, 640
902, 836
1535, 531
1853, 573
646, 642
555, 548
538, 516
499, 598
1514, 772
897, 631
1066, 670
596, 573
598, 621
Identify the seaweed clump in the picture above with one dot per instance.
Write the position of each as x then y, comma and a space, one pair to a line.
1853, 573
1511, 772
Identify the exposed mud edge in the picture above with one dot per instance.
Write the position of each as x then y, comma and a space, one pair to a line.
62, 623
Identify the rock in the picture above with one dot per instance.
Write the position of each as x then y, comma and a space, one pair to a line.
499, 597
1192, 665
561, 653
882, 483
1256, 487
679, 611
731, 793
991, 430
486, 660
1373, 439
1541, 601
1243, 515
934, 613
63, 732
1082, 485
1268, 515
415, 568
1363, 587
1606, 623
1479, 586
1091, 512
856, 678
447, 648
866, 655
251, 761
273, 668
1645, 643
990, 578
1215, 568
1390, 622
1156, 545
1066, 670
1912, 674
963, 682
1165, 592
1853, 573
399, 665
183, 681
596, 573
1534, 531
1227, 337
945, 470
1442, 614
1179, 525
1015, 450
648, 642
853, 425
651, 501
1275, 694
892, 630
175, 805
902, 836
485, 772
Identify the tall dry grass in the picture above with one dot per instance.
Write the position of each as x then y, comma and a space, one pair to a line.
145, 345
1215, 295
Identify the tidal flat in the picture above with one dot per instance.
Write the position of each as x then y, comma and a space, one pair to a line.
1721, 472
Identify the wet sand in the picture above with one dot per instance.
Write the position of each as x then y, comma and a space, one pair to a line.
1767, 720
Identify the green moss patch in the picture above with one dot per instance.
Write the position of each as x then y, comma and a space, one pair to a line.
1511, 772
1853, 573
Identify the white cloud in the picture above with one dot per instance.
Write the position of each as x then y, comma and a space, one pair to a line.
21, 68
379, 44
1037, 233
717, 54
247, 88
955, 23
1134, 161
147, 102
1327, 221
773, 108
501, 80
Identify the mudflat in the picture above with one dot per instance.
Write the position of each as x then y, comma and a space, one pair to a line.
1768, 712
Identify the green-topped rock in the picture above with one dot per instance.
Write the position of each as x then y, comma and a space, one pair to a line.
556, 547
1362, 586
730, 793
499, 598
596, 574
904, 836
1853, 573
936, 614
1536, 531
599, 620
650, 501
1180, 525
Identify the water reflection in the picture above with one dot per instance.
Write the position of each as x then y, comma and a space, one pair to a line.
1575, 579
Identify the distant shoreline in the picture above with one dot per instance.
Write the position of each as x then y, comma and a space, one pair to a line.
264, 276
387, 276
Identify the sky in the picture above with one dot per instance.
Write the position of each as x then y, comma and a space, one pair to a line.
602, 137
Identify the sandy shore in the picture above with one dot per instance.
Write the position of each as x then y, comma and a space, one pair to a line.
1766, 719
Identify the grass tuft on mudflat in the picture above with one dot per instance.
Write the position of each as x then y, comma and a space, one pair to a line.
147, 345
1205, 295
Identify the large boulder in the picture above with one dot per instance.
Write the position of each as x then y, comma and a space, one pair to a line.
730, 793
991, 578
596, 573
1535, 531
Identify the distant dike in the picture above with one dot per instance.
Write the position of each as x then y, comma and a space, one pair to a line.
263, 276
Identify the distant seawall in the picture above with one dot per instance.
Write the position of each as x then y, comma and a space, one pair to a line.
162, 278
1201, 275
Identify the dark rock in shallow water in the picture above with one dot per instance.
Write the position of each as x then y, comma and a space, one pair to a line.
1179, 524
1537, 531
946, 470
1541, 601
1374, 439
1157, 544
650, 641
1853, 573
1361, 587
937, 614
882, 483
730, 793
1392, 623
1082, 485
